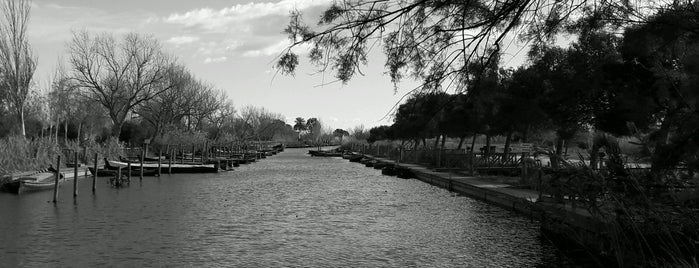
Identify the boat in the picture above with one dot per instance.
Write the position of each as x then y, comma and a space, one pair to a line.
31, 183
356, 158
324, 153
380, 165
175, 168
102, 172
389, 171
35, 186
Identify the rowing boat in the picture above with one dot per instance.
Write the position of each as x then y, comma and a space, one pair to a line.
175, 168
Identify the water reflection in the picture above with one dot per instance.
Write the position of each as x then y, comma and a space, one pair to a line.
289, 210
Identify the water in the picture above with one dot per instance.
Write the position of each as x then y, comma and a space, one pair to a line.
289, 210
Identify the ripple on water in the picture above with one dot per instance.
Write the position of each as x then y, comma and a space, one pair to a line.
289, 210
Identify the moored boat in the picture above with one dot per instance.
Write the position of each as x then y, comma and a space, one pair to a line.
174, 168
102, 172
30, 183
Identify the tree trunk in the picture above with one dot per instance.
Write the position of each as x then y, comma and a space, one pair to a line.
506, 150
444, 139
116, 129
487, 146
473, 142
58, 122
461, 142
22, 129
80, 130
525, 134
558, 154
65, 131
594, 154
436, 141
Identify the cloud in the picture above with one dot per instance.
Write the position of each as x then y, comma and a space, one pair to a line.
181, 40
220, 20
275, 49
215, 60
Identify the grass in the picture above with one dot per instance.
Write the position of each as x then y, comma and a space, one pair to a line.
18, 154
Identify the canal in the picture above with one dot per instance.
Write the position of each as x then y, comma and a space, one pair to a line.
289, 210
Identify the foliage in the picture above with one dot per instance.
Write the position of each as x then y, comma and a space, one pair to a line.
119, 74
17, 60
380, 133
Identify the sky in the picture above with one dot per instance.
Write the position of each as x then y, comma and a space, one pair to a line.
230, 44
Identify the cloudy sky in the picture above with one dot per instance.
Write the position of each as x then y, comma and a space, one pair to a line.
231, 44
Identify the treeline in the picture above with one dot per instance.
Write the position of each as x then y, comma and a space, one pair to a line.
125, 87
642, 83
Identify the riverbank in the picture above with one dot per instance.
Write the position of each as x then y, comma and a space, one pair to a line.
559, 221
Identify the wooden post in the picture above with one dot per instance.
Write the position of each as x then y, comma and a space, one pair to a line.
143, 156
524, 167
75, 175
128, 170
203, 150
145, 152
169, 163
58, 175
193, 148
94, 176
206, 149
118, 178
160, 156
182, 152
472, 162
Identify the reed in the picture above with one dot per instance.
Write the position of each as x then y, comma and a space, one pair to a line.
651, 219
18, 154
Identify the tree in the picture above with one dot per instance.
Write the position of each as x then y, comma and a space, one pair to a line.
299, 124
340, 133
662, 55
314, 127
172, 106
380, 133
434, 41
119, 74
17, 62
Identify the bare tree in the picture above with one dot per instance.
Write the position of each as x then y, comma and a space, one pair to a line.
119, 75
17, 61
171, 106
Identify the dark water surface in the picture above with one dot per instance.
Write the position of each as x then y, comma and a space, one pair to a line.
289, 210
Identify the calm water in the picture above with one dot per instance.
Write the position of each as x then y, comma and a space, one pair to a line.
289, 210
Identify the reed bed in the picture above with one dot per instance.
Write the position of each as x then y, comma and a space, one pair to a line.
18, 154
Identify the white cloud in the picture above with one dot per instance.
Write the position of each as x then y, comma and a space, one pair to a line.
181, 40
219, 20
275, 49
214, 60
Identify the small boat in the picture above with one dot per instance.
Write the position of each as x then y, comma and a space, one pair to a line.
356, 158
101, 172
389, 171
404, 173
380, 165
324, 153
35, 186
28, 183
175, 168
